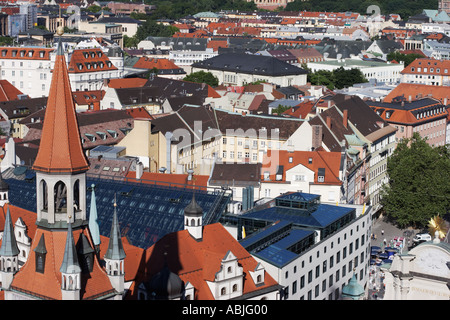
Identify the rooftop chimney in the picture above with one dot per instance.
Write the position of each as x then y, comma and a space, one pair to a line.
329, 122
345, 118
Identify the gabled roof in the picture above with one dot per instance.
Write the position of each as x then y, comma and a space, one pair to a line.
329, 162
126, 83
197, 262
438, 66
250, 64
415, 91
23, 53
410, 113
60, 148
8, 92
359, 113
47, 285
89, 60
236, 174
158, 63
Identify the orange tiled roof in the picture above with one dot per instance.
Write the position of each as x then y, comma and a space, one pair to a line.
127, 83
150, 63
198, 261
439, 67
48, 283
60, 149
405, 116
8, 92
175, 180
301, 110
320, 159
216, 44
419, 90
21, 53
89, 60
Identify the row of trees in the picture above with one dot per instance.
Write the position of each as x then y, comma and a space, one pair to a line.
406, 8
337, 79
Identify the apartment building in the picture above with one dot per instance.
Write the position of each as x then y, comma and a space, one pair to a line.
427, 71
310, 248
427, 116
240, 68
27, 68
89, 68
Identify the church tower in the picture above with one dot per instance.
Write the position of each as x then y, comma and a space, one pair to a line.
60, 164
62, 264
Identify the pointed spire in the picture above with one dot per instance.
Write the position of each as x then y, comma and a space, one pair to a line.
115, 247
40, 248
193, 207
9, 246
70, 261
60, 149
93, 224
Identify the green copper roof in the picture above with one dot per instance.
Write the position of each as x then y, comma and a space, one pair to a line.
93, 223
115, 247
353, 289
70, 261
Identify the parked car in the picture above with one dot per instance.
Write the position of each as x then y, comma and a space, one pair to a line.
421, 237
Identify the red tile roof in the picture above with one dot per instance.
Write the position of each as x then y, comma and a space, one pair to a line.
416, 91
21, 53
48, 283
89, 60
320, 159
439, 67
60, 147
172, 179
127, 83
150, 63
197, 262
8, 92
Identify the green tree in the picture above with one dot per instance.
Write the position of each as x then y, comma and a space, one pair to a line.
203, 77
419, 183
405, 58
322, 78
347, 78
152, 28
130, 42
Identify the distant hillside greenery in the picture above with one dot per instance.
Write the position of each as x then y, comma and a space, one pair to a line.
405, 8
175, 9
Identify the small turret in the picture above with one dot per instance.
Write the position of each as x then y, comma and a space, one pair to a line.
9, 254
115, 256
70, 270
193, 219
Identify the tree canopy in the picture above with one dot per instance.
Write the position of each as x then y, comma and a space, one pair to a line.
337, 79
406, 58
419, 183
203, 77
405, 8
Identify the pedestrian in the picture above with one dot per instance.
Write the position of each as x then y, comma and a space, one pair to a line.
382, 232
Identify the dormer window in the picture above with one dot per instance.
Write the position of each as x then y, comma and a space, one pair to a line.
40, 253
